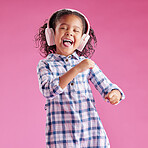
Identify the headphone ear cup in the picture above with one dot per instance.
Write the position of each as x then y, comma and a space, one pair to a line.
83, 42
49, 33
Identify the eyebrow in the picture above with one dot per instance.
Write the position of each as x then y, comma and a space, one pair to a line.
68, 25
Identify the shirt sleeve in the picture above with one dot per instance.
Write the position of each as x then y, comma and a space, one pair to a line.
48, 84
102, 83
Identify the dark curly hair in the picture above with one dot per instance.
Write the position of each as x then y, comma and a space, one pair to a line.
40, 38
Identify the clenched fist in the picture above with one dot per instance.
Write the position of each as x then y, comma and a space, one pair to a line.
85, 64
114, 96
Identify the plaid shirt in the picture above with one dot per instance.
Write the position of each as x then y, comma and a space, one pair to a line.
72, 119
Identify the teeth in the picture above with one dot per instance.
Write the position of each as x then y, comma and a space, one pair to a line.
65, 40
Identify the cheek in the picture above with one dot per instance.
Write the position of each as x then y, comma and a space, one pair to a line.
56, 37
58, 34
79, 39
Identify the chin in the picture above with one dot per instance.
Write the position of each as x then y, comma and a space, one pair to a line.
68, 51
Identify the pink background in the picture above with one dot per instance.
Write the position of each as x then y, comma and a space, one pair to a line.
121, 28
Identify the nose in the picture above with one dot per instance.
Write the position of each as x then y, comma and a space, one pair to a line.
69, 33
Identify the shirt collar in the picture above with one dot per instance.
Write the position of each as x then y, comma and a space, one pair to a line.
55, 56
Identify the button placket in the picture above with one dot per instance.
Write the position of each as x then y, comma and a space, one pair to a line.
67, 64
69, 56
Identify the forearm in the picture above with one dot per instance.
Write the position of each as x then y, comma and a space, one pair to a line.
68, 77
102, 83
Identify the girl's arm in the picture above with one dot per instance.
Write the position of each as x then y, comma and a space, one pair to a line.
51, 86
48, 84
104, 85
72, 73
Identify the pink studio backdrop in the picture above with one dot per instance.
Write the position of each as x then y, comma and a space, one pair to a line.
121, 30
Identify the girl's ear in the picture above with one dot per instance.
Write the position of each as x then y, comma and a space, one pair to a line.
83, 42
49, 33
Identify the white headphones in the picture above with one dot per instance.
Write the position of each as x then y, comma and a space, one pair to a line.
49, 33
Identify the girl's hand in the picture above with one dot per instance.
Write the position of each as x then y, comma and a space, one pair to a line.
114, 96
84, 65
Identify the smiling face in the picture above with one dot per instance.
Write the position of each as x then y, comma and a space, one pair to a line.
68, 33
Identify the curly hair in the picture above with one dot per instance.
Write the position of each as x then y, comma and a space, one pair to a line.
40, 38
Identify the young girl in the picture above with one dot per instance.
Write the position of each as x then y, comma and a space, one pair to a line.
67, 40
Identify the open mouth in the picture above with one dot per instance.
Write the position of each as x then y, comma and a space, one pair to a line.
67, 42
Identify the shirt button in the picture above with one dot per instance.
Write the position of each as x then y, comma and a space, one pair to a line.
66, 60
72, 84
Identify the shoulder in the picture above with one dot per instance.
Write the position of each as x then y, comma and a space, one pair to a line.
52, 60
48, 59
43, 62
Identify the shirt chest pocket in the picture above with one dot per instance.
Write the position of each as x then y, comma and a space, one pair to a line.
56, 69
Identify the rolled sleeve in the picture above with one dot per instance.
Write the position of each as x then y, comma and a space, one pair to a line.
102, 83
48, 83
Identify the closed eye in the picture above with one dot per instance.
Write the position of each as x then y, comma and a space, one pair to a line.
63, 28
75, 30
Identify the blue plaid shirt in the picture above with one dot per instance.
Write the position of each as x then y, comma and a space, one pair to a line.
72, 119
